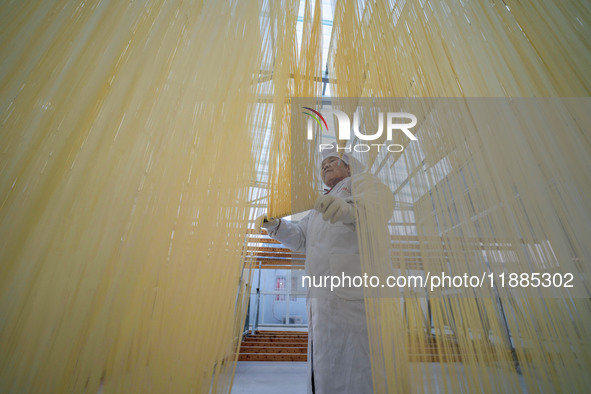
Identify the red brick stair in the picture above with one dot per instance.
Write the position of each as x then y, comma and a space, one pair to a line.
274, 346
292, 346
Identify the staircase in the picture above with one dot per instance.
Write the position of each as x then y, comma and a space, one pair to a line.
274, 346
293, 346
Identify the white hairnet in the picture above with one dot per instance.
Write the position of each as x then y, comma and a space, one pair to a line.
355, 165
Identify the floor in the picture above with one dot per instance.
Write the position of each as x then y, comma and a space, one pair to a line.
264, 377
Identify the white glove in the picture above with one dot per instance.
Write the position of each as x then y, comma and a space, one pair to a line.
335, 209
262, 221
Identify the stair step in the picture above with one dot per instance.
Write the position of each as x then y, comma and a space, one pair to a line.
275, 340
275, 344
254, 349
259, 332
271, 357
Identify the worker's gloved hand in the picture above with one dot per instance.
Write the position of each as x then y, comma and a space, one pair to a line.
335, 209
263, 222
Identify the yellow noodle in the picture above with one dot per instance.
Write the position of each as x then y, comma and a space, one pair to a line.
139, 139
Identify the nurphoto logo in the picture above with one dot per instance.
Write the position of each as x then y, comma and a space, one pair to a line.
396, 122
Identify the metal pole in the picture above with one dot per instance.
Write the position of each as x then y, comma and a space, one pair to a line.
258, 302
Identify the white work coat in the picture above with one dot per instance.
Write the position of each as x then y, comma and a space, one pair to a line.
338, 346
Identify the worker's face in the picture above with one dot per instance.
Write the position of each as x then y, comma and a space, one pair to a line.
333, 171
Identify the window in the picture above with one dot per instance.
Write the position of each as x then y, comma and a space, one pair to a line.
280, 286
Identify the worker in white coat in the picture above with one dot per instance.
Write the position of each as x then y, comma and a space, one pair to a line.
338, 346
